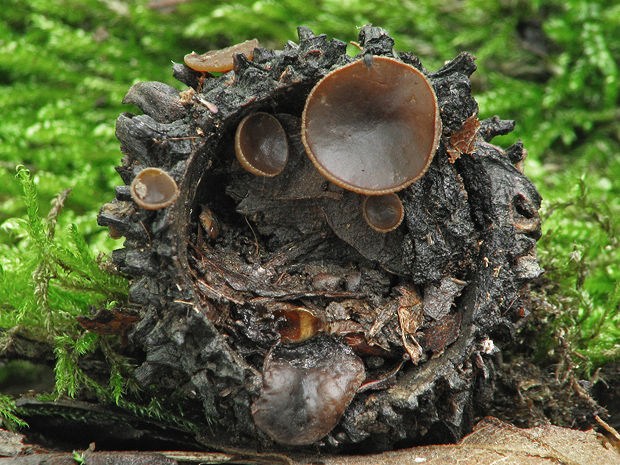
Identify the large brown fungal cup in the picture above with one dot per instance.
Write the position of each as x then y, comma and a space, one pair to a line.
220, 60
306, 389
372, 129
261, 145
153, 188
383, 213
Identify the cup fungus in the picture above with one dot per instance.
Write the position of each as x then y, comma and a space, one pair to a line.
372, 129
306, 389
261, 145
383, 213
153, 188
220, 60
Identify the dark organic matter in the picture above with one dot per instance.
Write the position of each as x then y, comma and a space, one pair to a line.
242, 273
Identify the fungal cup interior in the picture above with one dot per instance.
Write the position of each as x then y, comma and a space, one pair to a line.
372, 129
261, 144
153, 189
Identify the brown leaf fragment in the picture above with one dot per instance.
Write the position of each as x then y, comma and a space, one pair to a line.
438, 300
410, 317
462, 141
129, 458
383, 315
359, 344
494, 442
440, 334
93, 458
230, 457
109, 322
549, 443
612, 435
383, 381
344, 327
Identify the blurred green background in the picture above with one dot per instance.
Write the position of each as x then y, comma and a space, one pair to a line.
552, 66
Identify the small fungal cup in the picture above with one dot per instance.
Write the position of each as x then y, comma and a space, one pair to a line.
383, 213
153, 189
298, 324
261, 145
220, 60
372, 129
306, 389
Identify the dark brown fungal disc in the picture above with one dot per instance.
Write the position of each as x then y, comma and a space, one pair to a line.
306, 389
372, 129
383, 213
261, 145
153, 189
234, 281
220, 60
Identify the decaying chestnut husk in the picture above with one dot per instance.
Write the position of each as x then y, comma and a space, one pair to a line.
236, 258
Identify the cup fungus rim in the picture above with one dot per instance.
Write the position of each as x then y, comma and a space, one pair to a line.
373, 226
149, 205
241, 157
201, 63
345, 184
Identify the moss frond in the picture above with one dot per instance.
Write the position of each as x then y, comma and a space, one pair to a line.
8, 416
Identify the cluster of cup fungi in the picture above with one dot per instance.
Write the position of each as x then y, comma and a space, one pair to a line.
345, 139
385, 145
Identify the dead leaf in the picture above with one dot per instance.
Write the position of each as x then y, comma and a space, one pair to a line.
410, 317
11, 443
438, 300
462, 141
440, 334
494, 442
109, 322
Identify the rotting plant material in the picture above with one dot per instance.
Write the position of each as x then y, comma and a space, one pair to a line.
244, 275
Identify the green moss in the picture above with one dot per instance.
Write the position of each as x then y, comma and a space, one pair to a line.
581, 251
45, 283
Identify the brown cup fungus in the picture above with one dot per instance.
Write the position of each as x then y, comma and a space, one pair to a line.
306, 389
153, 188
372, 129
383, 213
220, 60
261, 145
